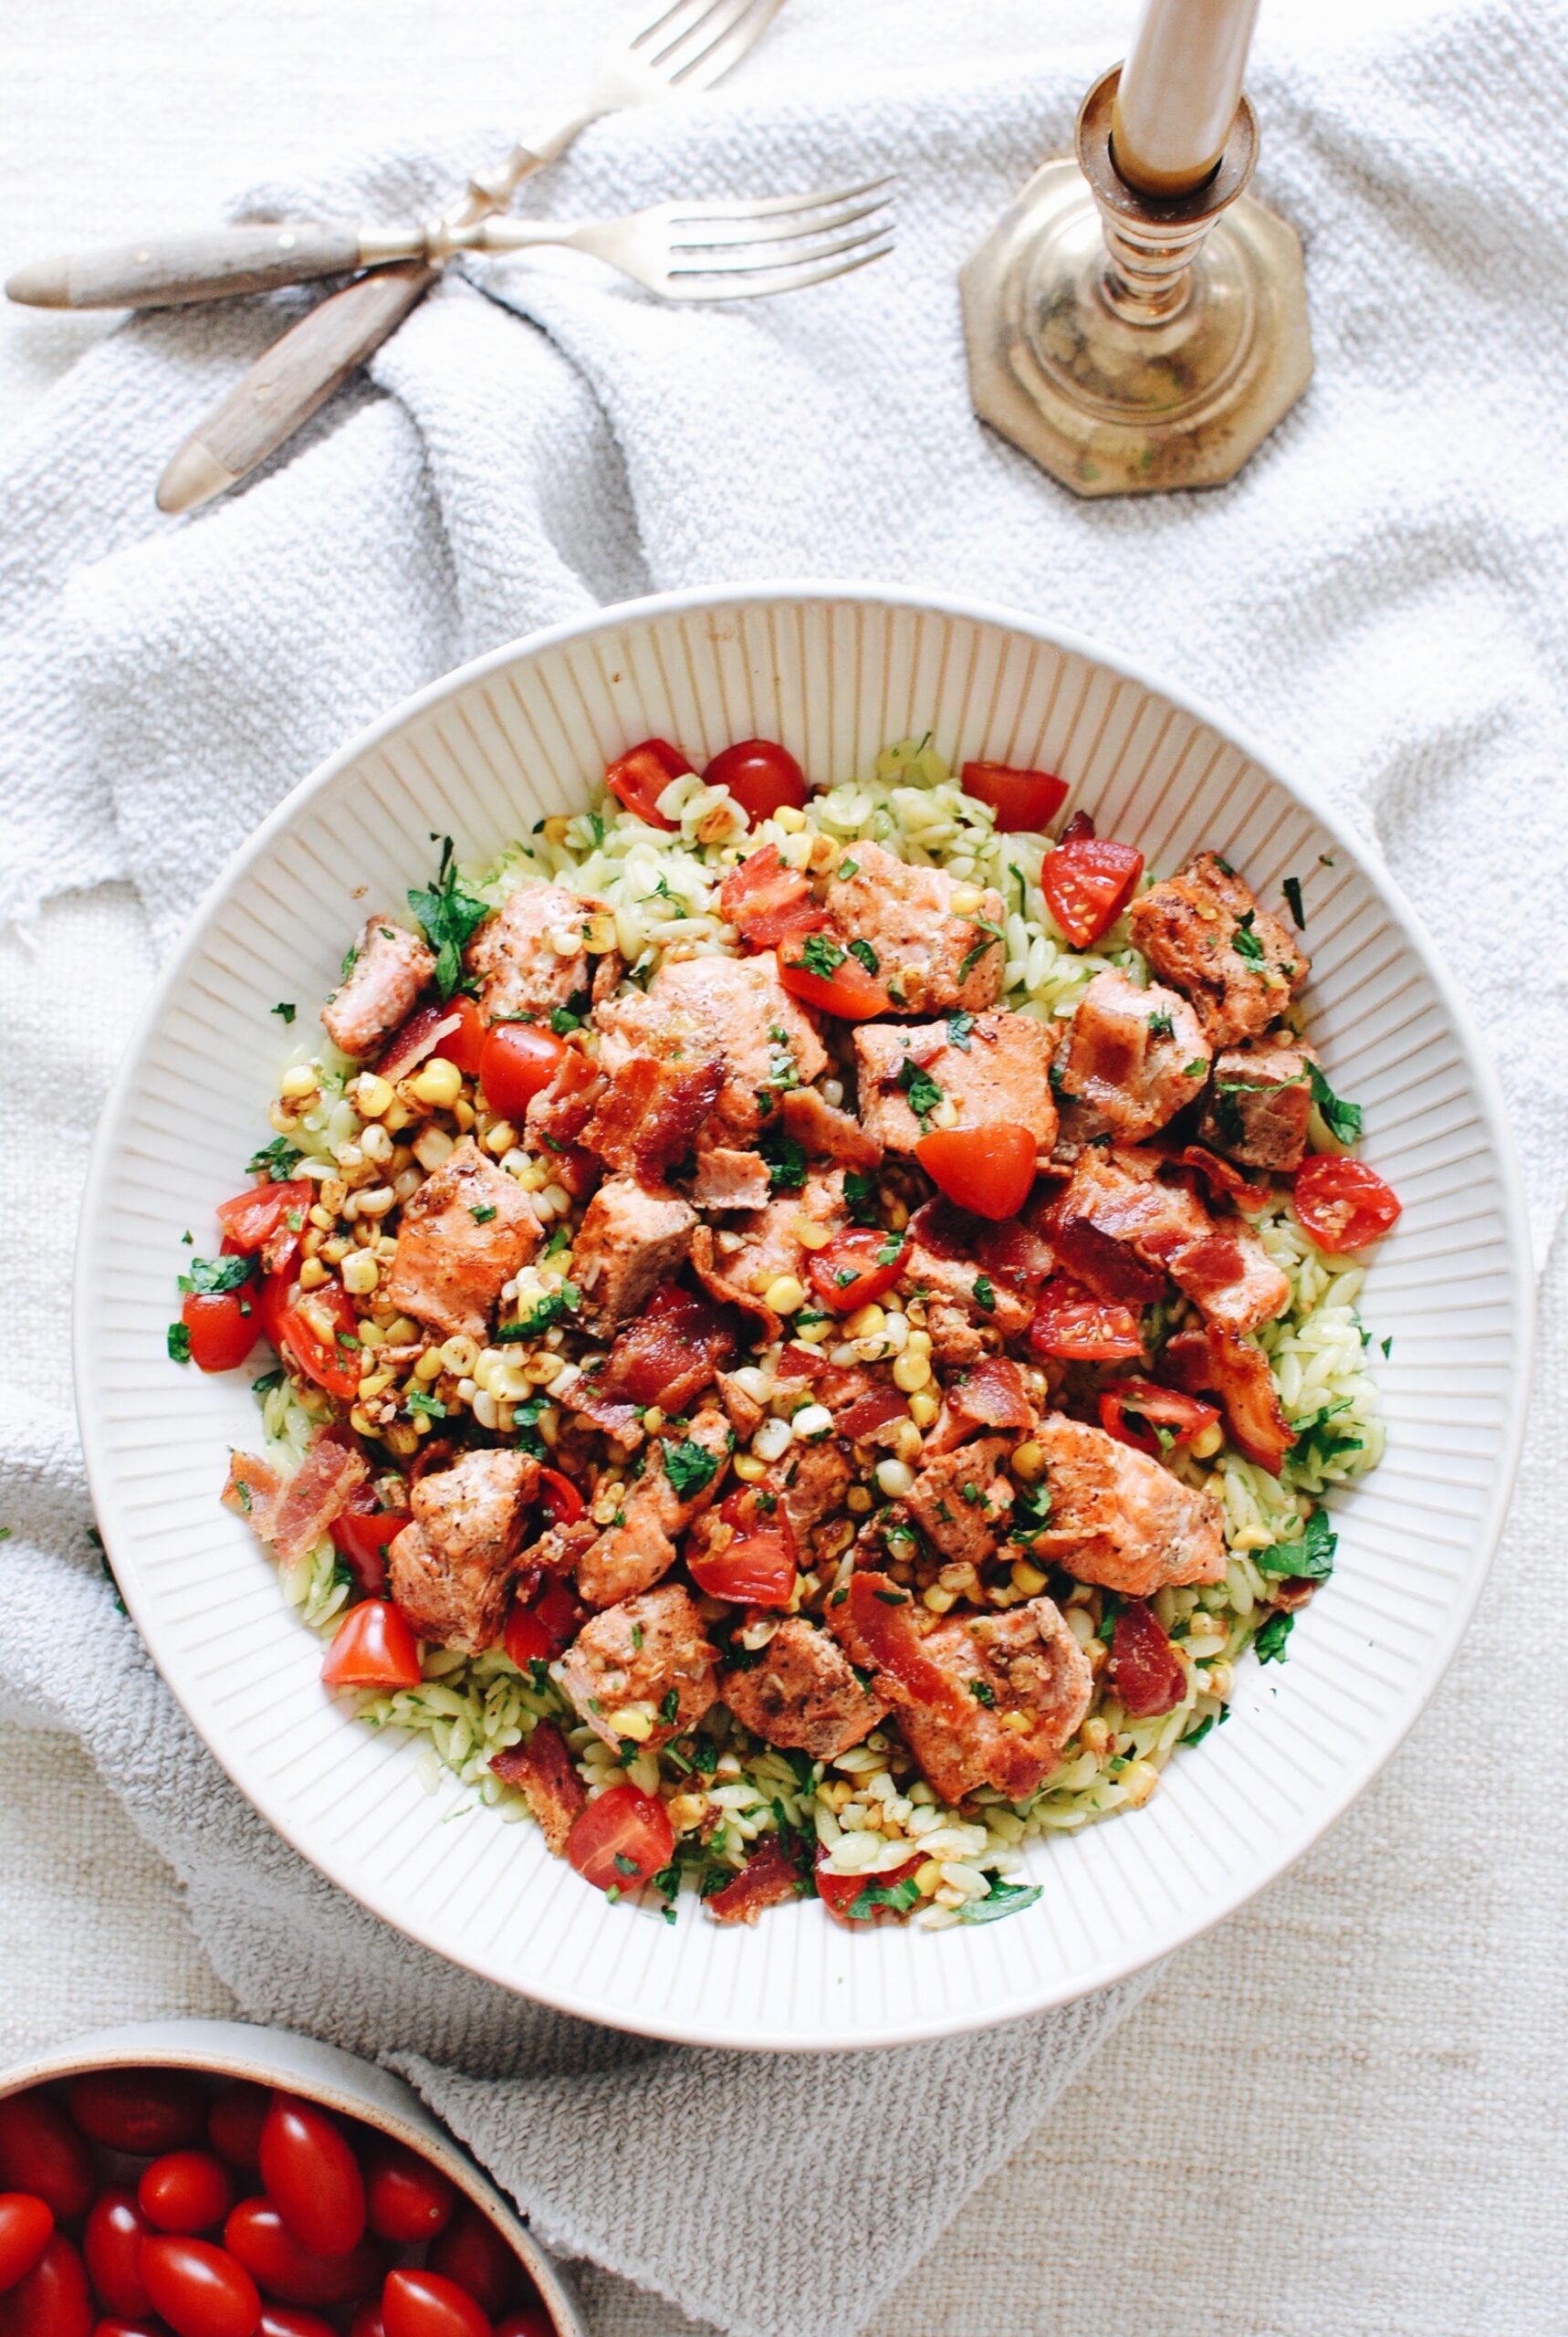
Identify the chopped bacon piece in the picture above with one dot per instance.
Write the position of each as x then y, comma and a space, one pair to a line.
1121, 1230
1146, 1670
650, 1114
796, 1362
419, 1036
769, 1878
828, 1133
315, 1493
990, 1394
1224, 1179
253, 1492
765, 900
1217, 1361
875, 1410
545, 1773
665, 1357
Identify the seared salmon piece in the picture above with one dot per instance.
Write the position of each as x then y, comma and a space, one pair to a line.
387, 968
647, 1660
827, 1133
961, 1501
467, 1230
546, 1776
1000, 1069
929, 956
811, 1481
521, 969
1260, 1103
1119, 1517
1204, 931
657, 1506
450, 1571
735, 1007
728, 1180
630, 1241
1131, 1060
1120, 1231
739, 1261
801, 1692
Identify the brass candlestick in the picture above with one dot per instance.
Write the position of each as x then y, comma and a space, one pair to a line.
1134, 342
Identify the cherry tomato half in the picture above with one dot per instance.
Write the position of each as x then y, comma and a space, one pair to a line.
1087, 883
617, 1841
820, 970
756, 1569
765, 900
112, 2242
857, 1267
465, 1045
640, 776
563, 1504
537, 1634
26, 2228
199, 2289
762, 776
361, 1535
234, 2124
256, 2234
1344, 1204
311, 1329
472, 2252
1135, 1412
1021, 799
42, 2152
1145, 1670
185, 2191
311, 2174
406, 2198
987, 1170
838, 1892
1071, 1322
53, 2300
518, 1060
372, 1648
426, 2304
252, 1219
224, 1326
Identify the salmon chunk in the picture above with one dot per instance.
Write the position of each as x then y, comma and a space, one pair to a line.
802, 1691
728, 1180
466, 1231
546, 1776
961, 1501
644, 1670
1118, 1517
929, 956
630, 1241
997, 1068
450, 1571
733, 1006
1261, 1102
385, 971
828, 1134
740, 1261
521, 969
1204, 932
1132, 1059
683, 1474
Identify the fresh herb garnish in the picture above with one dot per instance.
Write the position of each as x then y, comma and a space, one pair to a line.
1244, 942
1002, 1899
623, 1865
449, 913
1291, 889
211, 1276
859, 1197
1342, 1120
959, 1026
891, 1248
1030, 1514
266, 1383
895, 1896
277, 1160
786, 1161
982, 1691
1196, 1069
1161, 1026
1309, 1560
893, 1597
539, 1314
1318, 1442
483, 1213
991, 938
1198, 1730
669, 1705
1110, 1608
688, 1466
820, 955
1270, 1640
848, 868
921, 1089
867, 955
284, 1011
432, 1407
1388, 1347
985, 1293
179, 1343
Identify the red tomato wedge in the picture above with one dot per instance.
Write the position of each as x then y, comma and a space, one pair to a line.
1087, 883
816, 968
619, 1841
536, 1634
373, 1647
987, 1170
838, 1892
224, 1324
640, 776
361, 1534
252, 1217
1080, 1328
1146, 1670
1021, 799
26, 2228
428, 1029
563, 1504
463, 1045
312, 2177
1344, 1204
292, 1319
857, 1267
765, 900
518, 1060
759, 1568
762, 776
1135, 1410
884, 1617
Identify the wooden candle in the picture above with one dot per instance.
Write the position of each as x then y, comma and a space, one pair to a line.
1179, 90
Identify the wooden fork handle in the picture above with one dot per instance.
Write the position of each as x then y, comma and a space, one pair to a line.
284, 388
167, 271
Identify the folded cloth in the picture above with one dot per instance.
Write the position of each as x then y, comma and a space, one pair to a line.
1379, 596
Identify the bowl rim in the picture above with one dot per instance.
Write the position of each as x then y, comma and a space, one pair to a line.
354, 2087
617, 616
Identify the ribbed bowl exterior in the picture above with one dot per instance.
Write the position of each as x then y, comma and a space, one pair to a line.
835, 672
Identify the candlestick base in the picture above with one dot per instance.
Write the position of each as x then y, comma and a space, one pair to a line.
1133, 344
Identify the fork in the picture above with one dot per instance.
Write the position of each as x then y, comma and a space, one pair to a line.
688, 46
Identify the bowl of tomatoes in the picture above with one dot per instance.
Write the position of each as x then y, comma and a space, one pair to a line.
193, 2179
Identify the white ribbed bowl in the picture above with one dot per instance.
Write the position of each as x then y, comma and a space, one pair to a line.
835, 672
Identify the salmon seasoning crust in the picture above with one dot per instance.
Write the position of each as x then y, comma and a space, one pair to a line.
696, 1457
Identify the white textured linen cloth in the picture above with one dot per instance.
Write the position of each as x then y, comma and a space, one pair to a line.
172, 681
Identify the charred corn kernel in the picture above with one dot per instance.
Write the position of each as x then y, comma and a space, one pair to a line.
312, 1275
375, 1385
824, 853
361, 1423
1095, 1736
599, 933
857, 1500
534, 1178
919, 1341
430, 1366
810, 1234
940, 1601
812, 1335
397, 1116
1027, 1464
300, 1081
785, 1294
897, 1216
906, 1440
751, 1471
924, 1408
1140, 1778
554, 829
635, 1721
687, 1811
654, 1418
789, 819
965, 900
337, 1250
928, 1877
1208, 1442
402, 1438
372, 1094
375, 1201
510, 1382
865, 1321
361, 1274
1027, 1578
438, 1082
431, 1147
376, 1144
499, 1138
281, 1119
460, 1354
1218, 1680
541, 1369
1016, 1723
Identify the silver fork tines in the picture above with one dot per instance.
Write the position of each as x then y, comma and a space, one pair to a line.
696, 42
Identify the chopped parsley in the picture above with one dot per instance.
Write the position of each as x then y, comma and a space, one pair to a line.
959, 1026
1198, 1730
1309, 1560
431, 1407
1342, 1120
893, 1597
1161, 1026
890, 1249
897, 1897
1111, 1607
482, 1214
921, 1089
982, 1691
669, 1705
1271, 1641
859, 1197
623, 1865
266, 1383
1227, 1111
820, 955
449, 913
1388, 1347
1291, 889
211, 1276
867, 955
688, 1466
284, 1011
786, 1161
179, 1343
1319, 1442
990, 938
566, 1019
985, 1293
1030, 1514
278, 1159
848, 868
1196, 1069
1001, 1899
541, 1313
1244, 942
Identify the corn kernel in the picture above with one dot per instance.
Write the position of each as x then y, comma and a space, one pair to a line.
687, 1811
361, 1274
376, 1385
911, 1372
1208, 1442
785, 1294
430, 1366
438, 1082
555, 828
654, 1418
599, 933
1027, 1464
372, 1094
1027, 1578
1095, 1736
1140, 1778
312, 1275
940, 1601
281, 1119
751, 1471
928, 1877
812, 1335
361, 1423
336, 1251
534, 1178
906, 1440
464, 1114
897, 1216
924, 1408
946, 1115
635, 1721
460, 1354
857, 1500
866, 1322
895, 1477
791, 819
1016, 1723
540, 1370
298, 1083
810, 1234
967, 900
919, 1341
499, 1139
431, 1146
397, 1116
402, 1438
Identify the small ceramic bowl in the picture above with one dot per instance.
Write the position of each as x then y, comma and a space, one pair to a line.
321, 2073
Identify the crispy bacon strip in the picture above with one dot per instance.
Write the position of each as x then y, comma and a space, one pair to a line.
419, 1036
650, 1116
253, 1492
545, 1773
1224, 1179
316, 1493
1011, 1252
1218, 1361
667, 1356
877, 1409
558, 1112
769, 1878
